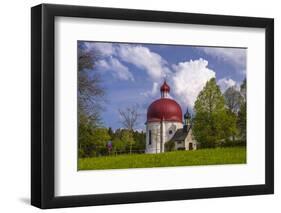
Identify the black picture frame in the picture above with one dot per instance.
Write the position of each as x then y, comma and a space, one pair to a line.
43, 102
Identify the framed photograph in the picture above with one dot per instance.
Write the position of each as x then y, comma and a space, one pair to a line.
136, 106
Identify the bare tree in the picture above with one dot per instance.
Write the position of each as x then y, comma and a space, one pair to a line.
129, 116
91, 95
233, 99
86, 58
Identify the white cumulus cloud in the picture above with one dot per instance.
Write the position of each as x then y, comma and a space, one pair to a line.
143, 58
103, 49
225, 83
235, 56
117, 69
154, 90
188, 80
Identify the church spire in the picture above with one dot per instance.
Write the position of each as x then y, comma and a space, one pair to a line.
187, 120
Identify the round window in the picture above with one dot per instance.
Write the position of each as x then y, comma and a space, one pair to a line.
170, 132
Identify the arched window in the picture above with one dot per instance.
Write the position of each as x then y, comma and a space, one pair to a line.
149, 137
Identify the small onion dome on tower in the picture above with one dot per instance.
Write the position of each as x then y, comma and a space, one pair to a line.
164, 109
164, 89
187, 120
187, 114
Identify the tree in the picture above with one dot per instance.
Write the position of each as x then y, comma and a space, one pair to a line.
86, 58
129, 117
92, 141
110, 132
84, 137
232, 99
241, 122
243, 89
210, 98
242, 114
228, 124
91, 94
128, 139
212, 123
92, 138
118, 145
99, 139
140, 141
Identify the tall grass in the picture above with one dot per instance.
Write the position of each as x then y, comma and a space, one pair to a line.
233, 155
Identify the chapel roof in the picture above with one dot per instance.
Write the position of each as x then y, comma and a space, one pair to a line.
181, 134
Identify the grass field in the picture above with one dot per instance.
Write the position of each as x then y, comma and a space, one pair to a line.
233, 155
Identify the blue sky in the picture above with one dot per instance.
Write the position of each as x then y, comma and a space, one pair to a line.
133, 73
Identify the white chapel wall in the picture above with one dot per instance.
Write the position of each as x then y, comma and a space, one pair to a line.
168, 126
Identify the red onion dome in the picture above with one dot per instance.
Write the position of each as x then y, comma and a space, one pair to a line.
165, 87
164, 109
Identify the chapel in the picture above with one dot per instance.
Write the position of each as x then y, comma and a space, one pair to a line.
166, 123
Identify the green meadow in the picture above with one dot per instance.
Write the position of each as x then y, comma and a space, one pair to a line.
231, 155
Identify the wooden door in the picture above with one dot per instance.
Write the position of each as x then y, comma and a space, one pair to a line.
190, 146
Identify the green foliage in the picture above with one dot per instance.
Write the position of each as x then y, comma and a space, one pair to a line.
128, 141
127, 137
241, 122
229, 128
212, 123
92, 141
231, 143
119, 146
100, 138
84, 137
233, 155
210, 99
140, 140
